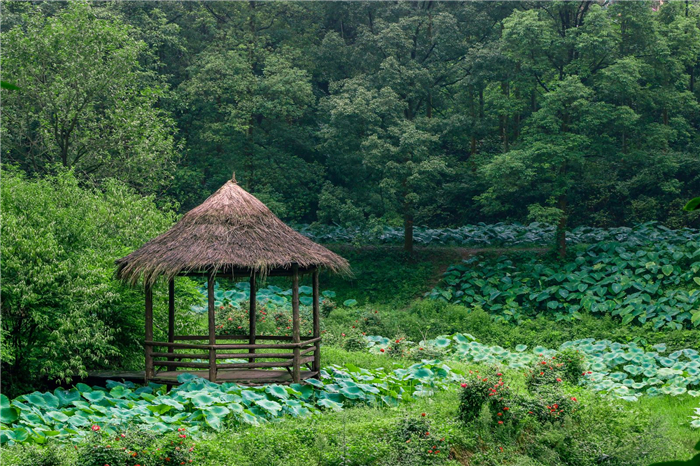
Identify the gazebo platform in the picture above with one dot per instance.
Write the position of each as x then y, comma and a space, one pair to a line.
243, 377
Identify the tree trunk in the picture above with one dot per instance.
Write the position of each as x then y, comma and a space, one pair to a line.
408, 232
561, 229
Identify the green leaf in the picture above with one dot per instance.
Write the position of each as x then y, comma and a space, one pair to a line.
667, 269
693, 204
350, 303
95, 396
202, 400
8, 414
270, 406
277, 391
8, 86
306, 300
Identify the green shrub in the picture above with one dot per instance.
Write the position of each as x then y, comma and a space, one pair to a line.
61, 305
354, 341
327, 306
139, 447
416, 443
51, 454
476, 390
567, 366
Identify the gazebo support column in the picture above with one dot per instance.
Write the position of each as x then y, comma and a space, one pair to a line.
252, 314
171, 316
296, 334
316, 366
212, 326
149, 331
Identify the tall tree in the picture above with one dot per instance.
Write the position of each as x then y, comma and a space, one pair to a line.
85, 101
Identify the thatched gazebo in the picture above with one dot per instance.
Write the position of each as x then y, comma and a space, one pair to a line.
233, 235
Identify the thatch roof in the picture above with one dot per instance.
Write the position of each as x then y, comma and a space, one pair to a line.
231, 230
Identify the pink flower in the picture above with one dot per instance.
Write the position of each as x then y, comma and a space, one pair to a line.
95, 428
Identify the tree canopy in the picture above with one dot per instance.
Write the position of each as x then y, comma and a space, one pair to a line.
401, 113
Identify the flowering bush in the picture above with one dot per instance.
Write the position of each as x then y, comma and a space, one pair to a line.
476, 390
548, 404
327, 306
544, 401
233, 320
136, 448
565, 366
417, 443
353, 340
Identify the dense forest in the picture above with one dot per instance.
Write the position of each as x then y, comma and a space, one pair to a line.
378, 113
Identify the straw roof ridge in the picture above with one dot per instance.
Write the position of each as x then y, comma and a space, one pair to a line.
231, 229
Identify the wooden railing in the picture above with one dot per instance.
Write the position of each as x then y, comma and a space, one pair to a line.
307, 351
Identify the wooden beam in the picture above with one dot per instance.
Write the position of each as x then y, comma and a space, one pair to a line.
246, 365
233, 355
201, 365
212, 327
296, 331
220, 346
252, 314
316, 323
149, 332
234, 337
171, 312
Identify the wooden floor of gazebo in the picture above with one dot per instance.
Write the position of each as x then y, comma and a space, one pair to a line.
243, 377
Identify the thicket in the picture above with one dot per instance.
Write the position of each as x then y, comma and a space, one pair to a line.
62, 309
370, 113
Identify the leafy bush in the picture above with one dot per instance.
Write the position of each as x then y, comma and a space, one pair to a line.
475, 392
63, 311
654, 283
138, 447
51, 454
556, 369
354, 341
417, 443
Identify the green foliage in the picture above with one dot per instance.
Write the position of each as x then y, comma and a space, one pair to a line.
386, 275
476, 390
95, 108
197, 404
417, 443
136, 447
623, 371
498, 235
377, 114
654, 283
51, 454
63, 311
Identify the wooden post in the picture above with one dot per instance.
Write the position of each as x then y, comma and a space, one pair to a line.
212, 327
171, 317
149, 331
316, 366
252, 314
296, 337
